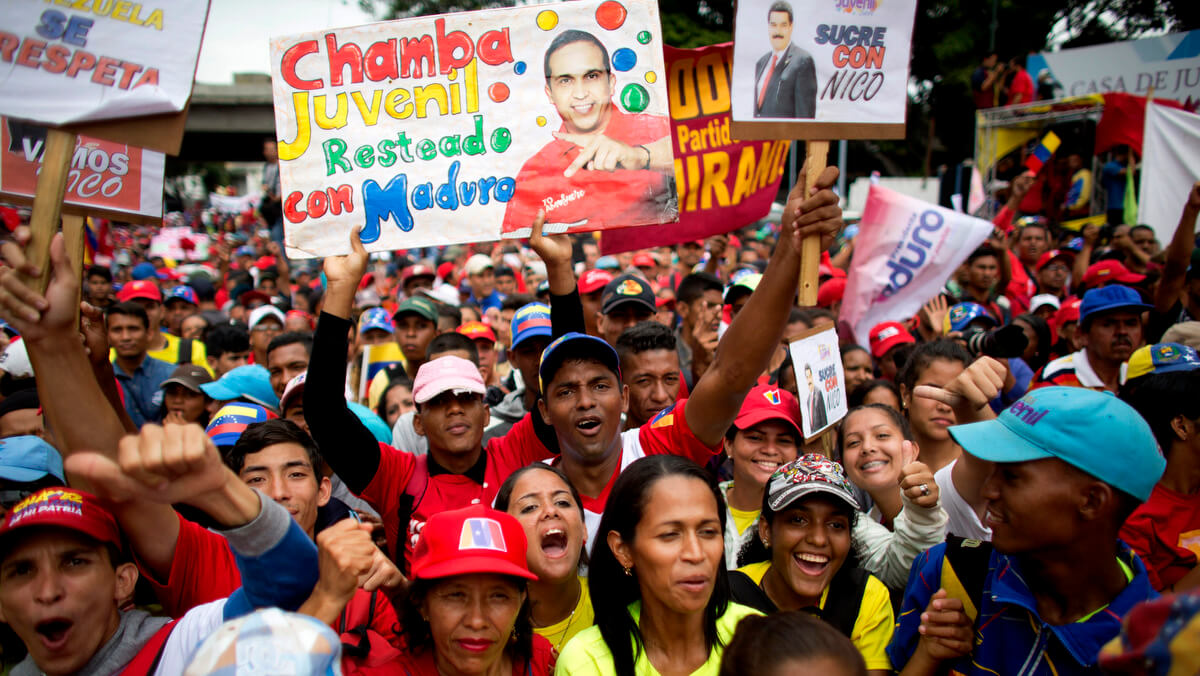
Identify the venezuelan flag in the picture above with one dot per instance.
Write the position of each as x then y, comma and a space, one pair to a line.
375, 359
90, 241
1041, 154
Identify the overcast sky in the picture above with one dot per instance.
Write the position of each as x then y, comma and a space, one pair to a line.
235, 39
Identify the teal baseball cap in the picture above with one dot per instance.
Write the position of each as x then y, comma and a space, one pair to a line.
1065, 423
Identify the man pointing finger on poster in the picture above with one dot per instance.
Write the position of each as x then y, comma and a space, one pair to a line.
605, 165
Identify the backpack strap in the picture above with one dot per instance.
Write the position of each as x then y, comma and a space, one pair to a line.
145, 662
185, 351
844, 600
964, 570
746, 592
409, 500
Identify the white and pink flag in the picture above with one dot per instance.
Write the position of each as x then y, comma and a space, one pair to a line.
905, 251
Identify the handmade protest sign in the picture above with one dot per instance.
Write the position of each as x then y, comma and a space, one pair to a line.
73, 61
722, 183
104, 179
820, 381
821, 69
904, 252
459, 128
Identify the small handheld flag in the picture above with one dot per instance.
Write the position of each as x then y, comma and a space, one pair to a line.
1041, 154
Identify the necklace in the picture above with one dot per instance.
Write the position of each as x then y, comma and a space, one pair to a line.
570, 618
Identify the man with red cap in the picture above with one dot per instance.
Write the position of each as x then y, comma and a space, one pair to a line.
885, 338
591, 291
162, 345
1053, 272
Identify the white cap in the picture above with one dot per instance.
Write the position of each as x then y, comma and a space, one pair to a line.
478, 263
1044, 299
15, 360
263, 311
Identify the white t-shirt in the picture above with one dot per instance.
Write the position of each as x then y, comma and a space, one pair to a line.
963, 522
187, 635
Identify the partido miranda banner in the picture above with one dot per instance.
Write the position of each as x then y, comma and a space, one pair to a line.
461, 127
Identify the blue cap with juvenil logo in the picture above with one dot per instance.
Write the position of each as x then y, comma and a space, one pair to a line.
1064, 423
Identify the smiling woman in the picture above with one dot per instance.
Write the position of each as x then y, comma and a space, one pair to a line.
808, 513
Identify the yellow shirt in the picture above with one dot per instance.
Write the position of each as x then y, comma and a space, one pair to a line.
872, 629
743, 520
587, 653
559, 633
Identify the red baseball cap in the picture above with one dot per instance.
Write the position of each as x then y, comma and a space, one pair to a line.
594, 280
887, 335
644, 260
445, 272
475, 539
61, 507
1068, 311
477, 331
1054, 254
418, 271
141, 288
769, 403
1108, 272
831, 291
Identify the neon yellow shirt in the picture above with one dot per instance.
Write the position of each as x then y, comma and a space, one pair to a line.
587, 653
872, 628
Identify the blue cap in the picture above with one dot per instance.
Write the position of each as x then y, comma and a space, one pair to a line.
185, 293
227, 425
532, 319
608, 263
962, 314
375, 318
1064, 423
244, 251
7, 328
1108, 298
251, 382
577, 346
144, 271
374, 424
27, 458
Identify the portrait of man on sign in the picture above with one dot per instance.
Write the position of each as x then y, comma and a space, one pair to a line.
817, 417
785, 78
605, 167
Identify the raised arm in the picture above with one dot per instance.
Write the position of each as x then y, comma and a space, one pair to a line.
566, 311
345, 443
1179, 253
758, 328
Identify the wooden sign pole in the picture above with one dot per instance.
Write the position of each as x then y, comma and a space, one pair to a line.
815, 154
72, 226
47, 204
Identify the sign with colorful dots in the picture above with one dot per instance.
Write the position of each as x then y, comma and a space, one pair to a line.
462, 127
723, 183
821, 69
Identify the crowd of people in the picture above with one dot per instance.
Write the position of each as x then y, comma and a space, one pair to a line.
572, 463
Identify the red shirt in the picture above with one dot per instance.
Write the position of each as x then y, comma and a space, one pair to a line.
1021, 88
204, 570
592, 200
441, 489
1165, 532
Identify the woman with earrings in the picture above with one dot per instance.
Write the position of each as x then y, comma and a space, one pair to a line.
657, 577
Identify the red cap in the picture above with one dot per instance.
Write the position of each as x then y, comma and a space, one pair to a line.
768, 403
1052, 255
142, 288
477, 331
831, 291
1068, 311
64, 508
826, 269
419, 271
265, 262
594, 280
475, 539
887, 335
665, 301
445, 272
1109, 272
644, 260
251, 295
